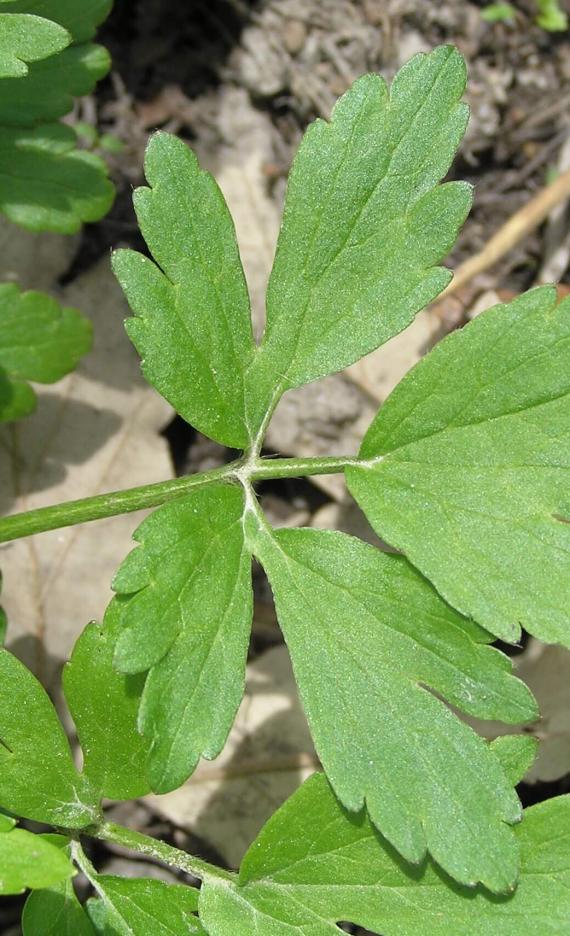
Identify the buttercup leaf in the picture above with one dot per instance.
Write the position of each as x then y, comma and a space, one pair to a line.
104, 704
37, 776
48, 89
468, 470
48, 184
365, 224
192, 324
55, 911
28, 860
315, 864
80, 19
24, 39
366, 635
185, 606
140, 906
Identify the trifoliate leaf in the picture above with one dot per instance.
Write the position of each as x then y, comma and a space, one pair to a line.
185, 603
104, 704
192, 324
55, 911
47, 91
137, 907
37, 776
365, 223
80, 19
25, 39
48, 184
28, 860
469, 468
314, 864
368, 636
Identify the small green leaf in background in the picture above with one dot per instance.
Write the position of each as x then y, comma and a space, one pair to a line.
25, 39
365, 223
39, 341
144, 907
367, 635
499, 13
55, 911
80, 19
46, 183
551, 16
38, 778
185, 603
28, 860
47, 91
469, 468
104, 705
314, 864
192, 324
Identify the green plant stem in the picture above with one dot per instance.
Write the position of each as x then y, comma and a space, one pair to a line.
160, 851
101, 506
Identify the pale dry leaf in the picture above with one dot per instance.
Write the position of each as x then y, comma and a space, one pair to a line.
95, 431
546, 670
35, 261
268, 754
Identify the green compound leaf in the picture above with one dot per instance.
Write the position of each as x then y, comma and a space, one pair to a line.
80, 19
38, 779
143, 906
48, 184
185, 603
25, 39
315, 864
469, 468
365, 223
28, 860
55, 911
104, 704
39, 341
192, 324
367, 635
47, 91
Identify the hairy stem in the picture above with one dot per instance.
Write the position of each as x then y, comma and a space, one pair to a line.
100, 506
154, 848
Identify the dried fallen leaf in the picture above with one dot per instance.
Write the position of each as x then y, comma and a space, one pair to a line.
546, 669
95, 431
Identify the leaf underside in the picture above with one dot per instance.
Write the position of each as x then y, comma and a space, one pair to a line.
470, 468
